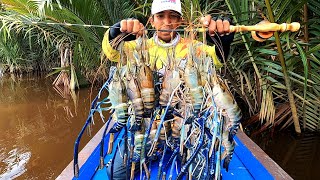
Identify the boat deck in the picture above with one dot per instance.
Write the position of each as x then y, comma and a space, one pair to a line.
248, 162
237, 168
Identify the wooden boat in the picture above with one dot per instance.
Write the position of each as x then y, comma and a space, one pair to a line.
249, 161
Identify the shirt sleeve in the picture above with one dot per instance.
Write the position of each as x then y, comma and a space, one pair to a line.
114, 54
111, 53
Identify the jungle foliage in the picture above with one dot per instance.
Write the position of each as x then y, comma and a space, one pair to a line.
269, 81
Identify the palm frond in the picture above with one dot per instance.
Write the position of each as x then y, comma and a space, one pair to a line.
261, 62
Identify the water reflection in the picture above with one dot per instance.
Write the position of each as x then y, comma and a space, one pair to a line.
2, 69
14, 163
298, 156
38, 127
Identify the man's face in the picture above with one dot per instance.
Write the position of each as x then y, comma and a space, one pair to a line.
166, 20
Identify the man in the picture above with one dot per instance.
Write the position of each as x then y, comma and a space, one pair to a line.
166, 16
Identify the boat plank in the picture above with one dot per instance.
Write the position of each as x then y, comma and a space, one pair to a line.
256, 160
83, 156
249, 162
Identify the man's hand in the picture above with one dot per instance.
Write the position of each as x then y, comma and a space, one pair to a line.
132, 26
222, 27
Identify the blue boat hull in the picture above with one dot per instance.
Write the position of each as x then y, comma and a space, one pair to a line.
248, 162
243, 165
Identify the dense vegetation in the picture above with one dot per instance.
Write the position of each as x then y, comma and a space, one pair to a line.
276, 82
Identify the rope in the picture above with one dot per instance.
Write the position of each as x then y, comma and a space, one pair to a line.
103, 26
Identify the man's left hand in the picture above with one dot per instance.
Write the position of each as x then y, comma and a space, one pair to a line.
222, 27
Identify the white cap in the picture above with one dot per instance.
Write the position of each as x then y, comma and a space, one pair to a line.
162, 5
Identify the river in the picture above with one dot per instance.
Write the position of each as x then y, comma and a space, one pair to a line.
38, 128
298, 156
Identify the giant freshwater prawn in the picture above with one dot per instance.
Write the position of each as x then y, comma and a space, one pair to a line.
195, 110
194, 116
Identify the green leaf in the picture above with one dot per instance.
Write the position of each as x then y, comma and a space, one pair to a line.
314, 49
273, 71
54, 72
267, 51
283, 7
293, 10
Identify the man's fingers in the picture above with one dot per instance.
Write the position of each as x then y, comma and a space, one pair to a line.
123, 26
226, 27
212, 28
136, 26
130, 24
141, 29
206, 20
220, 26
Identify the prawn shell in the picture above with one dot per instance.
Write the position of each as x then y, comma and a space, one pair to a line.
192, 77
138, 139
196, 98
228, 146
146, 77
193, 81
148, 98
133, 90
134, 95
117, 93
224, 100
147, 87
176, 126
170, 81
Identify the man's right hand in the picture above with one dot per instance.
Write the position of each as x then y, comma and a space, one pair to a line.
132, 26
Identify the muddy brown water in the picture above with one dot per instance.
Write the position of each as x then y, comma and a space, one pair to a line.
298, 156
38, 128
